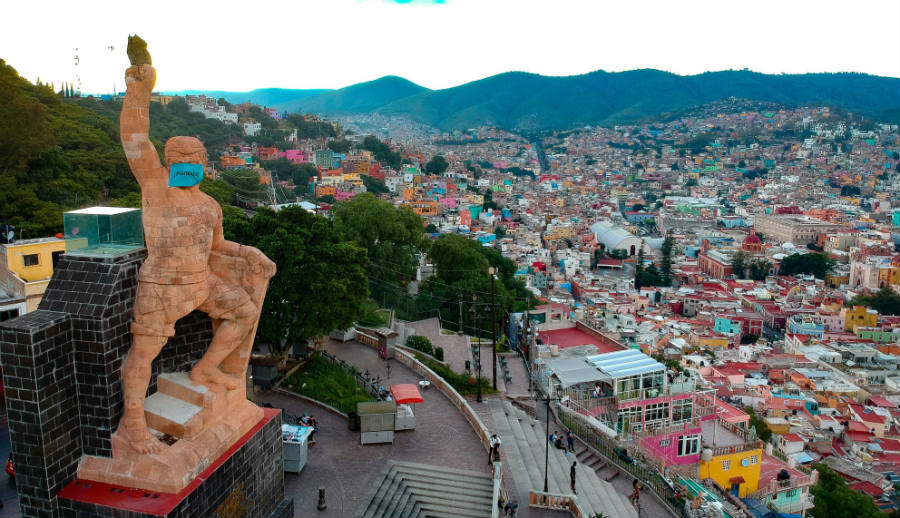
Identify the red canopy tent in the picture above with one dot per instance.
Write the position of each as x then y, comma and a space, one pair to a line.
406, 393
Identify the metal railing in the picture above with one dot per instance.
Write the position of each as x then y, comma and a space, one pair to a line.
555, 502
372, 384
610, 450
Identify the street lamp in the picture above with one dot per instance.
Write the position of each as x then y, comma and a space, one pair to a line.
546, 399
493, 330
473, 311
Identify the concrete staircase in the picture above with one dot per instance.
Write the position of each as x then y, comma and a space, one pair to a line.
410, 490
523, 452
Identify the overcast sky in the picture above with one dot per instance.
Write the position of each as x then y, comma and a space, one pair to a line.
228, 45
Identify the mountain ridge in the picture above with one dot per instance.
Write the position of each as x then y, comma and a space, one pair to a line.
523, 100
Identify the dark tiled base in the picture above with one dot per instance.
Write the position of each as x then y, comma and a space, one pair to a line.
249, 483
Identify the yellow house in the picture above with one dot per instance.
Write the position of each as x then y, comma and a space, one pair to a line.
859, 316
27, 265
733, 468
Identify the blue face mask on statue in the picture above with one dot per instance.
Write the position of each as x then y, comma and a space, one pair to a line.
185, 175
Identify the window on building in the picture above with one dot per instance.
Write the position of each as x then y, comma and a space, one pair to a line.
754, 459
688, 444
682, 410
8, 314
657, 411
726, 465
31, 259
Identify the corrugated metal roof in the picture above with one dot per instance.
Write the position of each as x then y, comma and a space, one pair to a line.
625, 363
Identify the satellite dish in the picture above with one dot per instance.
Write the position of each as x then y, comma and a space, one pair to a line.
7, 233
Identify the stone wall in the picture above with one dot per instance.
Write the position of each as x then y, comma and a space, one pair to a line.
62, 371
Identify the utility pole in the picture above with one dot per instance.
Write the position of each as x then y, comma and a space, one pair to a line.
478, 357
546, 399
493, 330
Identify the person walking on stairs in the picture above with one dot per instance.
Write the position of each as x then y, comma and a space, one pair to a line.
636, 495
495, 449
572, 475
570, 441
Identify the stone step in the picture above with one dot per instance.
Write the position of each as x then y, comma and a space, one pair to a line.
528, 456
557, 482
391, 492
179, 386
594, 494
440, 470
173, 416
509, 449
473, 489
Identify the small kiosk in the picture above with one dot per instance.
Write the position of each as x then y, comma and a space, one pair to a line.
376, 421
405, 395
295, 442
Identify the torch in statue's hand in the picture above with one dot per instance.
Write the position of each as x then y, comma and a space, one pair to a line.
141, 72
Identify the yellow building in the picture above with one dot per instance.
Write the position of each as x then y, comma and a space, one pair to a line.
834, 280
859, 316
27, 265
733, 467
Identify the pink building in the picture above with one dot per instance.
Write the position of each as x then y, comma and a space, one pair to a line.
295, 156
341, 195
448, 202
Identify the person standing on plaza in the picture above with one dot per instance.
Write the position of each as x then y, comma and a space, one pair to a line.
572, 475
570, 441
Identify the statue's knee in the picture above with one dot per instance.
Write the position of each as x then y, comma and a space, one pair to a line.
246, 313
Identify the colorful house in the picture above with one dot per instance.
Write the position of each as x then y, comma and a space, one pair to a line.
27, 265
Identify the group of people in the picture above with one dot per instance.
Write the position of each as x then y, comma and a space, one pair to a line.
557, 440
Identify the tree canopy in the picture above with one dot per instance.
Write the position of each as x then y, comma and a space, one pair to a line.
811, 264
321, 280
835, 499
886, 301
382, 152
437, 165
391, 236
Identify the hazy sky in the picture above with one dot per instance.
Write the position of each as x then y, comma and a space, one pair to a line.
228, 45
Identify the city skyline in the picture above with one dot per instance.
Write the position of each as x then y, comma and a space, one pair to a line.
443, 44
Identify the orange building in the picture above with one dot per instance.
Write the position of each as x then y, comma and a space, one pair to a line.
324, 190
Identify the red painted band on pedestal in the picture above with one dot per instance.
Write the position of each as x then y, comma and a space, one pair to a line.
150, 502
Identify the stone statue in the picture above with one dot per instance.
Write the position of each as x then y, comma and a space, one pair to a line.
189, 266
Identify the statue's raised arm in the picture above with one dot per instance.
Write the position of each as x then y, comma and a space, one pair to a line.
134, 122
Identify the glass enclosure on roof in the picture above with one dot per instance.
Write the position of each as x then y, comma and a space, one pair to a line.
103, 231
635, 375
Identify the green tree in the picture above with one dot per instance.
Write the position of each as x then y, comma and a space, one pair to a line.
759, 270
665, 267
739, 264
340, 146
886, 301
500, 232
321, 280
431, 228
392, 237
762, 429
329, 199
382, 152
812, 264
301, 173
638, 207
245, 182
374, 185
219, 190
437, 165
835, 499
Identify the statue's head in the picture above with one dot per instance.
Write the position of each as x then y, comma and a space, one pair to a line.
186, 160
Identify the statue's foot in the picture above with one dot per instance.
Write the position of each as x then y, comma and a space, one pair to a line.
138, 436
203, 375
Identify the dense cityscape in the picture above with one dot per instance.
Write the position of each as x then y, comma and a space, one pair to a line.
692, 314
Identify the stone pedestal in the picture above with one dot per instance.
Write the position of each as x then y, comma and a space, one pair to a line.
247, 480
62, 374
